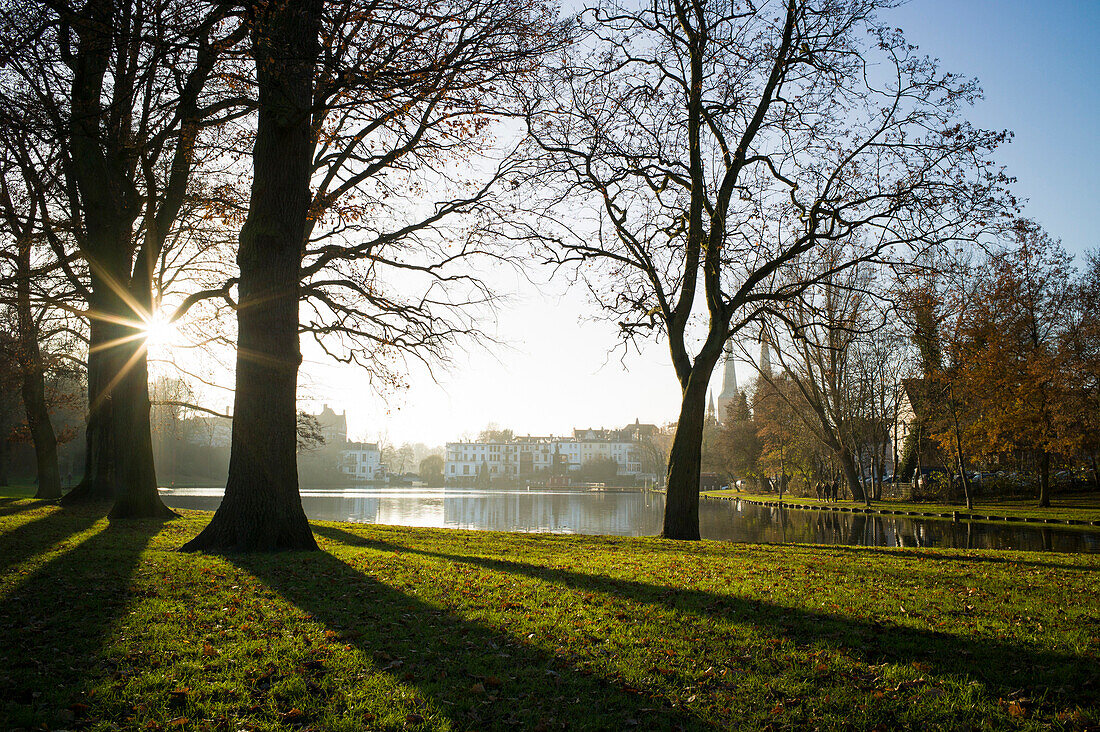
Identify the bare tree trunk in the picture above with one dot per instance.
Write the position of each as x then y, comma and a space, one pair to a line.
848, 467
119, 451
962, 468
262, 509
33, 387
137, 496
1044, 480
682, 496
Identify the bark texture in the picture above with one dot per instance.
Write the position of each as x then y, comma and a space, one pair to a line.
262, 509
681, 519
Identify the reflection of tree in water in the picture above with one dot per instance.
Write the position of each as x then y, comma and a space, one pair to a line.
636, 512
769, 524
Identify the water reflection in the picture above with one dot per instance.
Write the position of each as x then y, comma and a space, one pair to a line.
633, 512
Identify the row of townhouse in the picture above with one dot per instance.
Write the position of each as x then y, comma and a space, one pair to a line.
524, 457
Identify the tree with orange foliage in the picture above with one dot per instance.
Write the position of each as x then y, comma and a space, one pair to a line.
1012, 372
1081, 344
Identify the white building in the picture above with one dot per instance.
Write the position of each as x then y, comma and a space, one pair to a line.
524, 457
362, 461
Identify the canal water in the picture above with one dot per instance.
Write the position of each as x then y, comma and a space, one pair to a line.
636, 512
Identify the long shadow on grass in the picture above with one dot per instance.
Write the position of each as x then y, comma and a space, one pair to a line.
53, 625
10, 508
480, 677
1075, 676
922, 555
39, 534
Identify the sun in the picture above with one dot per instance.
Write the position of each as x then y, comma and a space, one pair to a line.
159, 331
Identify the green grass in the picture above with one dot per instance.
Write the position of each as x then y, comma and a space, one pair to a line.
107, 627
1081, 506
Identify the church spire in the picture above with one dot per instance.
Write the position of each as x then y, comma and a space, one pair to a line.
729, 383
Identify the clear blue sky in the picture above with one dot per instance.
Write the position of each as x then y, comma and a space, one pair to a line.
1038, 62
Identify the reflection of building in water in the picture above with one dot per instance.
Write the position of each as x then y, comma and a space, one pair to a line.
400, 510
527, 457
597, 512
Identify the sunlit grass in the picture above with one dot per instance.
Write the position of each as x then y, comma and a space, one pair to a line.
107, 627
1079, 506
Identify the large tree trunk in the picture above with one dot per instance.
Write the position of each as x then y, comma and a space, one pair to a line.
118, 460
33, 387
682, 495
137, 496
851, 477
262, 509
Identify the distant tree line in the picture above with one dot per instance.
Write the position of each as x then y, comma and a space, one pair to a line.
975, 375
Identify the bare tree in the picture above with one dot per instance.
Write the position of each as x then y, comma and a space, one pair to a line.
716, 147
29, 284
391, 99
125, 88
818, 356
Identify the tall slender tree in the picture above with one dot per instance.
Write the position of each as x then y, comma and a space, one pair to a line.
720, 145
25, 164
1013, 370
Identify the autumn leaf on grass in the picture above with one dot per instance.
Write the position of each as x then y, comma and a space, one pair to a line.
293, 714
209, 650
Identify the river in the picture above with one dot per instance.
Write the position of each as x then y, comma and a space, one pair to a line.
636, 512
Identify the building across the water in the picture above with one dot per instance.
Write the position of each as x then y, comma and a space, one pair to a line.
334, 427
362, 461
549, 457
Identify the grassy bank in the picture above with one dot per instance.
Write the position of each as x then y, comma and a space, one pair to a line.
1077, 506
105, 626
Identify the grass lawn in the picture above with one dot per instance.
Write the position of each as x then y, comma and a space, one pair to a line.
1080, 506
107, 627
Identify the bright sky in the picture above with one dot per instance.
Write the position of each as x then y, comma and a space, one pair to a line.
1037, 63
